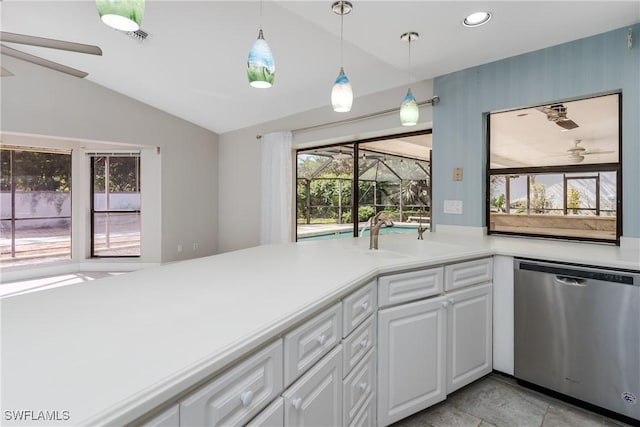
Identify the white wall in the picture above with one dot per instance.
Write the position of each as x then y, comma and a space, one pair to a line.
239, 170
182, 186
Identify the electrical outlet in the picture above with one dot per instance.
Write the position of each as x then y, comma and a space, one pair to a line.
457, 174
453, 207
179, 249
195, 246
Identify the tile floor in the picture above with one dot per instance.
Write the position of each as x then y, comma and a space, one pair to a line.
498, 401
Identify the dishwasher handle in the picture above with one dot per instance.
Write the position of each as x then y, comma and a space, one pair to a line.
571, 281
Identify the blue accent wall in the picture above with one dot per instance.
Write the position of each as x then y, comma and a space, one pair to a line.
591, 66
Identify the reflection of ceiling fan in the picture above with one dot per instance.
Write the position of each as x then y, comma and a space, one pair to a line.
557, 113
44, 42
576, 153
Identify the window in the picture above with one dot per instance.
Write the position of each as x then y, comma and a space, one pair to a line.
394, 177
115, 205
555, 170
35, 189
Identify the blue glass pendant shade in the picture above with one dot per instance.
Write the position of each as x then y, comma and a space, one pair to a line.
261, 68
409, 111
342, 94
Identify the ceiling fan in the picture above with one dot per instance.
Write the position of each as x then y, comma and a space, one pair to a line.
557, 113
48, 43
576, 153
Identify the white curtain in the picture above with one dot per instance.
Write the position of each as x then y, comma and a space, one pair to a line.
276, 189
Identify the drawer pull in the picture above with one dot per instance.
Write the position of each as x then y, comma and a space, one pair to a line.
364, 343
246, 397
445, 304
296, 403
322, 339
363, 387
365, 306
451, 301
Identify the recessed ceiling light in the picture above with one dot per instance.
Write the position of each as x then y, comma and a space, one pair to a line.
476, 19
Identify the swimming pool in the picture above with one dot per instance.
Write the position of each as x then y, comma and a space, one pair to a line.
349, 233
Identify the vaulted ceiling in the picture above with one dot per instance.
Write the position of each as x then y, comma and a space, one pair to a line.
193, 63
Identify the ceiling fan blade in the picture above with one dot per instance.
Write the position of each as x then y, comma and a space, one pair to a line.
5, 73
5, 50
50, 43
567, 124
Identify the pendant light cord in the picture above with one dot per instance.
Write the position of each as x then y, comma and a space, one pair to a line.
341, 35
409, 67
261, 14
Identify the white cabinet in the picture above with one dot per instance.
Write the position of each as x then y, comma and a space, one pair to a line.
409, 286
411, 358
356, 345
239, 394
463, 274
169, 418
469, 333
306, 344
316, 398
271, 416
359, 386
358, 306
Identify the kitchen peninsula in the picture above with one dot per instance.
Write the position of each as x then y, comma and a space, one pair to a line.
121, 349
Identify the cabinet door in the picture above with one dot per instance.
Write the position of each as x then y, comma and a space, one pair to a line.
411, 358
469, 342
271, 416
316, 398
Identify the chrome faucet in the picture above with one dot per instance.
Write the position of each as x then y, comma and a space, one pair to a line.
376, 222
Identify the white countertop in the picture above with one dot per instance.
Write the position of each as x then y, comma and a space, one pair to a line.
110, 350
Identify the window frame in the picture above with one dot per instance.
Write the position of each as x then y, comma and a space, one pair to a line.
355, 196
12, 150
560, 169
93, 211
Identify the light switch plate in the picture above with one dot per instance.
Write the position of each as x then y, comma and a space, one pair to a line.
453, 207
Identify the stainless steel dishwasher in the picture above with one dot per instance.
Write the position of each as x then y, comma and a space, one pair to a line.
577, 332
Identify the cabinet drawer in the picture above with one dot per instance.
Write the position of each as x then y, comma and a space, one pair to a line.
358, 387
236, 396
366, 416
358, 306
413, 285
356, 345
316, 398
468, 273
272, 416
306, 344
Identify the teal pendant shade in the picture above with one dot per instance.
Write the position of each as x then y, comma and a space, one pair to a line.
409, 111
123, 15
341, 94
261, 68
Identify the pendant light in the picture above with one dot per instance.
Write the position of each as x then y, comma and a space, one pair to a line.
409, 111
341, 94
261, 68
123, 15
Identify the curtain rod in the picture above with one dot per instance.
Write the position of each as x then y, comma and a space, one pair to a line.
431, 101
